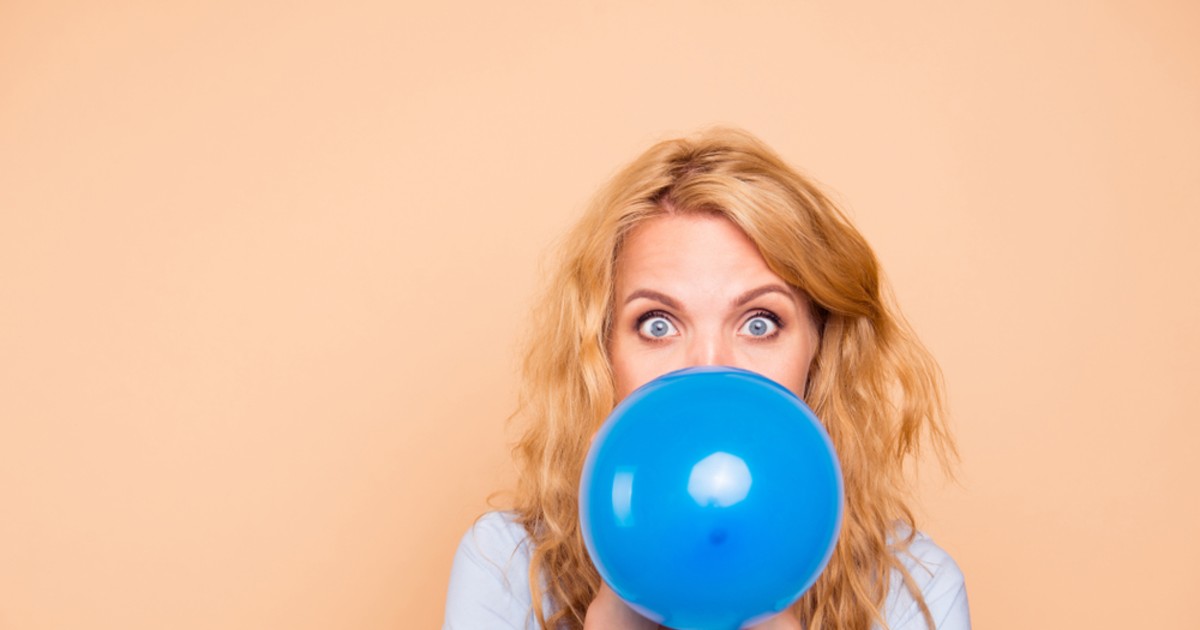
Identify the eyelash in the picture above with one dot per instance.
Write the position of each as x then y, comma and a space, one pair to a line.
648, 315
771, 316
637, 325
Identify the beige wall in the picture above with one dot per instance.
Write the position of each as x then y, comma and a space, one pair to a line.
264, 267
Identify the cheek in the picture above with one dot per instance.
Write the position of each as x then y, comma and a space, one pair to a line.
632, 369
790, 371
799, 379
804, 364
790, 366
620, 368
626, 373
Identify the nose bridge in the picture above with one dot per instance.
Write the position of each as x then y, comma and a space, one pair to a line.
710, 347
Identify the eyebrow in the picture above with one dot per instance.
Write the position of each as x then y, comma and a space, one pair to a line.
652, 295
763, 290
741, 300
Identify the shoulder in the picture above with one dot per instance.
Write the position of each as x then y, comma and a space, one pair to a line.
940, 581
489, 580
497, 537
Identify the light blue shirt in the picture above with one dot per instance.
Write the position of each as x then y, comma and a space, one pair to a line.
489, 583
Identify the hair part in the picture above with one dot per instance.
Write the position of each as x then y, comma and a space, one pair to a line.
872, 383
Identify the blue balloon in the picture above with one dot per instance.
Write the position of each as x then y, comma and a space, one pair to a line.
711, 498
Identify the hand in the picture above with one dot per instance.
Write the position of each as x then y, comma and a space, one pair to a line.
609, 612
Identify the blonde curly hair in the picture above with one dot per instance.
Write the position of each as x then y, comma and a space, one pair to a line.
873, 385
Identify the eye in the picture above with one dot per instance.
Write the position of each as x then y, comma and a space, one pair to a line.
654, 325
761, 326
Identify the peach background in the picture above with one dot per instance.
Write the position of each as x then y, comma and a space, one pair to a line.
264, 267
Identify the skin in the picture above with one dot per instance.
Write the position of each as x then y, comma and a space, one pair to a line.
704, 296
692, 289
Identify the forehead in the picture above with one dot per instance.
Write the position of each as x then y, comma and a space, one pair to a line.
687, 250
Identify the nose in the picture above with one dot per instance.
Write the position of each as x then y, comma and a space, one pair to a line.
710, 349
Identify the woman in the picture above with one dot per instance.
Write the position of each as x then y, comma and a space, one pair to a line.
712, 251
